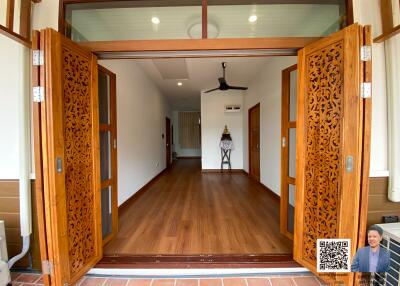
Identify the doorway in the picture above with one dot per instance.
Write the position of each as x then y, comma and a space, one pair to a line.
351, 33
254, 142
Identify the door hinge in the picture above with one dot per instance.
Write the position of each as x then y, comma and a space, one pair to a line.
37, 58
38, 93
47, 267
366, 90
366, 53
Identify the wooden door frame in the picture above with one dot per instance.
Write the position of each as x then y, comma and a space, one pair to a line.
168, 146
366, 76
285, 125
198, 45
37, 142
114, 151
249, 138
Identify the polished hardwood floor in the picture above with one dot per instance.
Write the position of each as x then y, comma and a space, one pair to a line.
187, 212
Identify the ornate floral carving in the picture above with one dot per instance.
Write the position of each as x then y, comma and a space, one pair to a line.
78, 158
323, 113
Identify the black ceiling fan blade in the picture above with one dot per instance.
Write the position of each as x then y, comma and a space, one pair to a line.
237, 87
211, 90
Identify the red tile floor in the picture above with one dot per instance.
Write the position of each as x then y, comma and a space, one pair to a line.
25, 279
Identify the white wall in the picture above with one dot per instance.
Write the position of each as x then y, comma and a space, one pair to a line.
45, 15
181, 152
14, 84
266, 89
213, 120
141, 112
3, 14
367, 12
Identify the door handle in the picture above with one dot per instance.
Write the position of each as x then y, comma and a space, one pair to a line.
283, 142
349, 164
59, 166
115, 144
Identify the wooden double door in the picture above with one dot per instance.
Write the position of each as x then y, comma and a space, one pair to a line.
331, 152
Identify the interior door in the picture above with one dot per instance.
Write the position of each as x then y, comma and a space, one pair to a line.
70, 149
254, 142
168, 142
108, 153
288, 151
332, 147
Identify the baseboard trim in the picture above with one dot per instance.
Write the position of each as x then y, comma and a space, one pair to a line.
140, 192
222, 171
274, 195
188, 157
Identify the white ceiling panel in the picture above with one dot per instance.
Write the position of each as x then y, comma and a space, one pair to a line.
172, 68
203, 75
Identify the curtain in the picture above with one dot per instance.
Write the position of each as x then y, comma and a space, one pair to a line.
189, 130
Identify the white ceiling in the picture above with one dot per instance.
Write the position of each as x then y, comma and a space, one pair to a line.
203, 74
229, 21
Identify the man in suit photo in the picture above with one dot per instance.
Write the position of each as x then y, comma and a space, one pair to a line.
372, 258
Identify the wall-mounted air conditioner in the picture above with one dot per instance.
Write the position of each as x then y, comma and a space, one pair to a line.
233, 108
4, 272
390, 241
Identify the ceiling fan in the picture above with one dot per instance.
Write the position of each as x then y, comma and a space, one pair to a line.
223, 84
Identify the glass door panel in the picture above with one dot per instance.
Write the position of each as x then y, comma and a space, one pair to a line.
105, 155
288, 150
292, 152
290, 204
104, 98
106, 211
293, 96
108, 153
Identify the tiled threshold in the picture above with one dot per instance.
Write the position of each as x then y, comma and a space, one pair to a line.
29, 279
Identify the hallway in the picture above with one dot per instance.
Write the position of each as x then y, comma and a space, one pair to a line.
186, 211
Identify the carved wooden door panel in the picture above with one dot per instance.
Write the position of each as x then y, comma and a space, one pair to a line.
70, 144
330, 146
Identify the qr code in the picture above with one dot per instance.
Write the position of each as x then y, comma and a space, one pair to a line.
333, 255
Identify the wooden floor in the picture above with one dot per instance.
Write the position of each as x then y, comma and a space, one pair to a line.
189, 212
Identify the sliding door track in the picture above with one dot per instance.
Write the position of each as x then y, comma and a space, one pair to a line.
199, 261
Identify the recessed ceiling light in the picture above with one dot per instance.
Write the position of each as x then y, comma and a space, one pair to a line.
179, 83
252, 18
155, 20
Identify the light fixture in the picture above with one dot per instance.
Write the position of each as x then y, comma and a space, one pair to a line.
194, 30
155, 20
252, 18
179, 83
